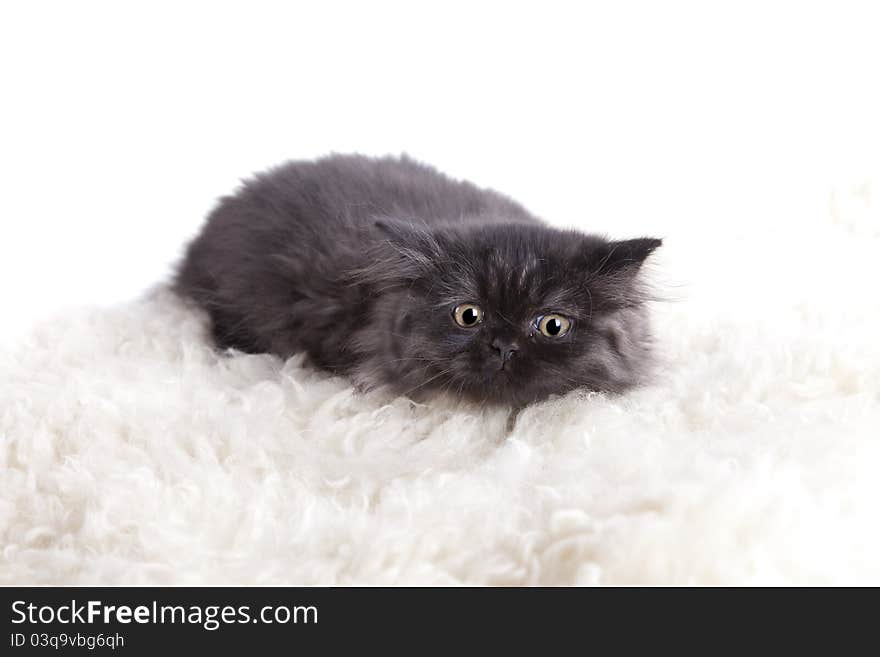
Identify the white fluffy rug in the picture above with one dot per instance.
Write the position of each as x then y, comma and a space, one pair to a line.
132, 453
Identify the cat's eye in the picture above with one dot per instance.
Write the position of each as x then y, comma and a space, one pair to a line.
467, 315
553, 326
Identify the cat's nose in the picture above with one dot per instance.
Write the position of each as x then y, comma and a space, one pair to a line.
505, 348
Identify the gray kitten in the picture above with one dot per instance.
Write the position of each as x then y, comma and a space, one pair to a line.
389, 272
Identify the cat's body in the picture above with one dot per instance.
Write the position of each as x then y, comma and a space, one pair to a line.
376, 267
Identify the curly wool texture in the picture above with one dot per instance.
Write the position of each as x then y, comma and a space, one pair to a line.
135, 454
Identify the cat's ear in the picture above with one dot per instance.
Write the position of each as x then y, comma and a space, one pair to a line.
408, 235
622, 256
414, 241
396, 231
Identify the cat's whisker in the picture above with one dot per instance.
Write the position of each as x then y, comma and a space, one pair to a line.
426, 382
402, 360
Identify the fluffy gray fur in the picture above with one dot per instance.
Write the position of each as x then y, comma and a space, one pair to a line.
361, 262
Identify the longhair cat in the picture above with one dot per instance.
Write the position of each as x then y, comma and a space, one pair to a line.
391, 273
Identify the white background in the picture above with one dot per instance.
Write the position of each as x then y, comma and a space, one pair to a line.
121, 123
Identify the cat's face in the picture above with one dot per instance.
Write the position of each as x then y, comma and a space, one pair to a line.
513, 313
